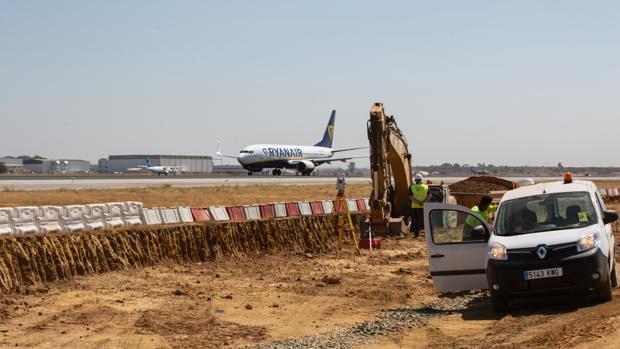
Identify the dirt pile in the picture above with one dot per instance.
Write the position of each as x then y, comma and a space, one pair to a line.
41, 258
482, 185
475, 187
469, 191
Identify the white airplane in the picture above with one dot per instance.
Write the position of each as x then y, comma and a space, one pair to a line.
159, 170
302, 158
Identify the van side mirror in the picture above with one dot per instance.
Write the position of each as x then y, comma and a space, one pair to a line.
609, 216
480, 232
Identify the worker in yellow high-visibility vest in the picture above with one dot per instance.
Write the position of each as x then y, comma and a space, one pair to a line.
419, 194
484, 208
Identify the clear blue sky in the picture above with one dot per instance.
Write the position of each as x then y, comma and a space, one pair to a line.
519, 82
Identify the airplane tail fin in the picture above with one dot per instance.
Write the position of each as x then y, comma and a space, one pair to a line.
148, 161
328, 137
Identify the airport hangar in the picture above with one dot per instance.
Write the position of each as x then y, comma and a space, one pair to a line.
51, 166
190, 163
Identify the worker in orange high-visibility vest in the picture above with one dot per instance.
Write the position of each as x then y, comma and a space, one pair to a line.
419, 195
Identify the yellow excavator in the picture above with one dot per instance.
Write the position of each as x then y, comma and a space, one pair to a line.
391, 174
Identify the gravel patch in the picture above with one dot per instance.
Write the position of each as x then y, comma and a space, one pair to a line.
388, 321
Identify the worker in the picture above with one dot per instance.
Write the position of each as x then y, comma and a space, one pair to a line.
484, 209
419, 195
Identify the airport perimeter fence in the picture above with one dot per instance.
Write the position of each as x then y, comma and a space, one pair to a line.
47, 219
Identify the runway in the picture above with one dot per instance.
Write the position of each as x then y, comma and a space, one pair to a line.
107, 182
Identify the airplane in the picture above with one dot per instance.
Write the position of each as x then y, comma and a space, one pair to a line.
302, 158
480, 172
159, 170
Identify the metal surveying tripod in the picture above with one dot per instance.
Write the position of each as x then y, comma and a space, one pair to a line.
342, 210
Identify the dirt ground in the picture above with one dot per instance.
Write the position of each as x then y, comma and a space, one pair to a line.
233, 303
227, 303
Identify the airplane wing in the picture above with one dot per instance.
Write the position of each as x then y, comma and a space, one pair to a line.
347, 149
219, 152
225, 156
330, 160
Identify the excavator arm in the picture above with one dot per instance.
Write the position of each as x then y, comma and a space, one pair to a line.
390, 164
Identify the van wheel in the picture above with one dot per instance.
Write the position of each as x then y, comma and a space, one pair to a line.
499, 304
604, 293
613, 277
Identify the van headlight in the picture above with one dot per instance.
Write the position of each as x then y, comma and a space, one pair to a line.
588, 242
498, 252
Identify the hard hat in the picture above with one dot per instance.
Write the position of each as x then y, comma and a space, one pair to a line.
418, 177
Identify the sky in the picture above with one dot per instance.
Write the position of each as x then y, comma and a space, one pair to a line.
502, 82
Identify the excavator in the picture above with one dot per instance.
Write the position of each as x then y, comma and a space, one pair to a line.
391, 175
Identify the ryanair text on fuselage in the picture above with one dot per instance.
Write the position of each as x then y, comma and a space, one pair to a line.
283, 152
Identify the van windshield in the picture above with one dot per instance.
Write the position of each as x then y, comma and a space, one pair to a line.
546, 212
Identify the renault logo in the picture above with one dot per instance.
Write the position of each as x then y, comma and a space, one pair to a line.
541, 251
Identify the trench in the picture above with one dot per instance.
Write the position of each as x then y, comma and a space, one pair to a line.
39, 259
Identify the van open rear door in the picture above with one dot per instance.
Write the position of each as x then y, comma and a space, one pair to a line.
457, 246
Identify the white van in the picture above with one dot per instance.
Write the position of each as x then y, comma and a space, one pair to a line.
547, 238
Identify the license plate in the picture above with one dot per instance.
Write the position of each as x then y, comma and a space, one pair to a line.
542, 273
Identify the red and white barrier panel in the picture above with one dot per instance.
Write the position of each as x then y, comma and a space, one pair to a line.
610, 194
304, 208
236, 213
292, 209
280, 210
219, 213
252, 212
317, 208
201, 215
268, 211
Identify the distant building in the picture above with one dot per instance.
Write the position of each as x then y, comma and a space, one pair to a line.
14, 165
54, 166
190, 163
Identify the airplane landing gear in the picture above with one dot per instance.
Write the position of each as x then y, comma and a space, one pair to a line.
276, 172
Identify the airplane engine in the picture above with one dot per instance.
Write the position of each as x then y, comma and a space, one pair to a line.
305, 166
